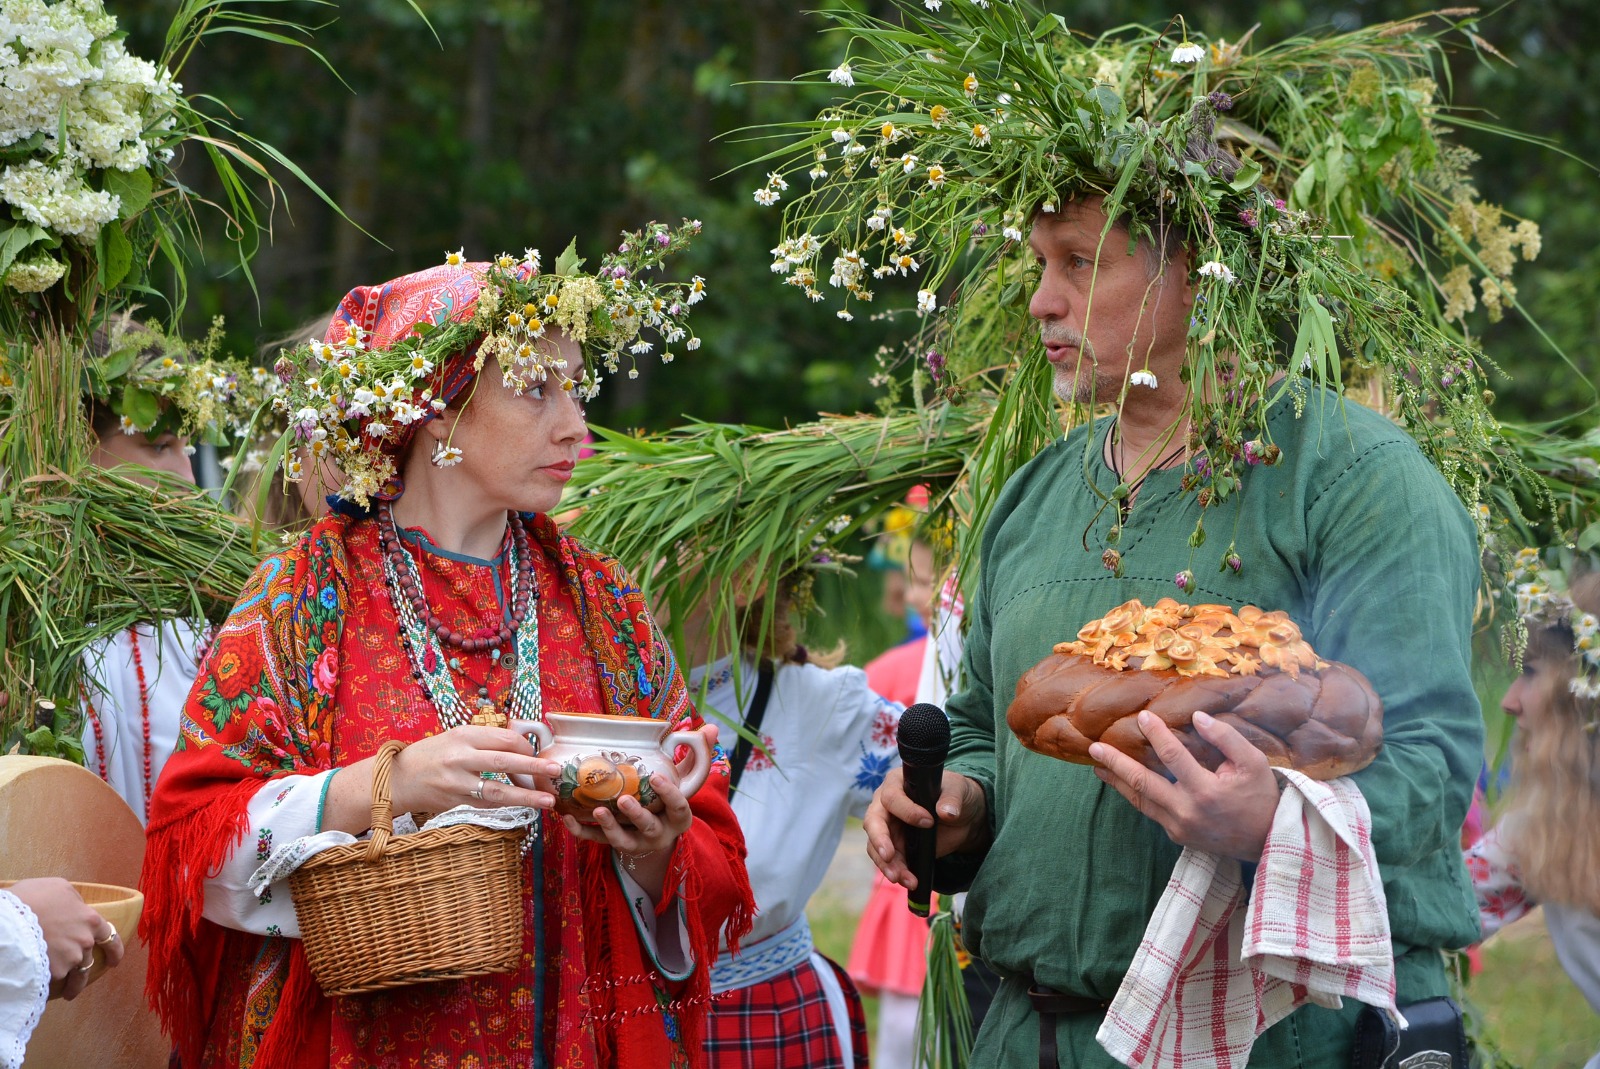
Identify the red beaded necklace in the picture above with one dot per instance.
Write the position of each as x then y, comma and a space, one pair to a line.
410, 581
102, 765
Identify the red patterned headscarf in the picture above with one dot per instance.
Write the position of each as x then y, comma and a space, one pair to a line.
390, 311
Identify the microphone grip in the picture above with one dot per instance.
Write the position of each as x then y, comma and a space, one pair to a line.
922, 784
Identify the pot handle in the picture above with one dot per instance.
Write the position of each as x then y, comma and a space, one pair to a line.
543, 739
696, 741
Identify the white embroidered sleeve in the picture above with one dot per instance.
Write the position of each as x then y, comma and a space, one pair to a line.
282, 810
878, 749
24, 977
669, 950
1498, 883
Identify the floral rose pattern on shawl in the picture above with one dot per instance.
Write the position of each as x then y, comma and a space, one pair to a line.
308, 674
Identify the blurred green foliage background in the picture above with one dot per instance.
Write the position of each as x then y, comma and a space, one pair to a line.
526, 122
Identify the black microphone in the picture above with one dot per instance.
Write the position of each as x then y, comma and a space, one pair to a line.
924, 743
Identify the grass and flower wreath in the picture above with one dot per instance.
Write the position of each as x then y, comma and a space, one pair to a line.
93, 217
1334, 229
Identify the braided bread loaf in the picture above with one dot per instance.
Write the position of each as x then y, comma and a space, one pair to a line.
1250, 669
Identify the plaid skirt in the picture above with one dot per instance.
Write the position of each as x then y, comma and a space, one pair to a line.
785, 1023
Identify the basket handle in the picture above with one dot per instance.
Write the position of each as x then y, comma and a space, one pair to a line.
382, 815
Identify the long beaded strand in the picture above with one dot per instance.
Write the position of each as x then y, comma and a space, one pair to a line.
144, 713
429, 665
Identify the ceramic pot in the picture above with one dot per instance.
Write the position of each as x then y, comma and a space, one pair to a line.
604, 758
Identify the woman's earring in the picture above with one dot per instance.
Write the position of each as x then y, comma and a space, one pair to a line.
445, 456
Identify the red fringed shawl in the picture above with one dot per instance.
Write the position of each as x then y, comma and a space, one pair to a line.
308, 674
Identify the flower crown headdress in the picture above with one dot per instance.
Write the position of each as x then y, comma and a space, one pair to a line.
1542, 599
359, 395
1313, 181
158, 384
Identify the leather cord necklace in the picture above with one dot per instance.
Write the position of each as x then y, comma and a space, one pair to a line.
1125, 506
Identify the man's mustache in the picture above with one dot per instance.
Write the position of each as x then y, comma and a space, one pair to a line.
1058, 335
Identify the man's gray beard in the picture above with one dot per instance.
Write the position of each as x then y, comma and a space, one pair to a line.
1081, 383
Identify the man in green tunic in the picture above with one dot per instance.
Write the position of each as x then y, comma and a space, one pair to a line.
1355, 534
1194, 204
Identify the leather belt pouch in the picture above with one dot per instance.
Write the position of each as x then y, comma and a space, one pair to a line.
1434, 1038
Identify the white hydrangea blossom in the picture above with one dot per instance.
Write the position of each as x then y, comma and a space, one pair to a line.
62, 69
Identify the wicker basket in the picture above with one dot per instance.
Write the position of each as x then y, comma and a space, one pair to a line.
440, 904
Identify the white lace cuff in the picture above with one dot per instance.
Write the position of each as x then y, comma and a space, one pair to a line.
24, 977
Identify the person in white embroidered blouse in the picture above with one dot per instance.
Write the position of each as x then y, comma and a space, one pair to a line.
1544, 849
139, 679
47, 935
826, 742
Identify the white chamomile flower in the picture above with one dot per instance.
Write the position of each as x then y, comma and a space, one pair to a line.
692, 344
697, 290
130, 427
766, 197
420, 366
933, 5
1216, 269
980, 135
926, 302
776, 181
878, 219
640, 348
841, 75
293, 469
531, 258
840, 135
457, 258
1143, 378
1188, 53
818, 173
969, 85
908, 162
378, 430
446, 456
1011, 233
938, 114
936, 175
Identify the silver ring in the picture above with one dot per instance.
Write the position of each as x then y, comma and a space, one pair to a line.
477, 792
108, 939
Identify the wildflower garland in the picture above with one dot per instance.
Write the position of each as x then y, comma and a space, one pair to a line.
159, 384
1540, 592
347, 400
1313, 182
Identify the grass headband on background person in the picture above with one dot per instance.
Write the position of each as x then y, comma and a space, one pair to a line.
397, 354
1313, 183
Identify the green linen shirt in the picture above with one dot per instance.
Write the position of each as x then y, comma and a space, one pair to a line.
1360, 539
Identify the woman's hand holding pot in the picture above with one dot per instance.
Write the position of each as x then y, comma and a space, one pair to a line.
446, 770
441, 772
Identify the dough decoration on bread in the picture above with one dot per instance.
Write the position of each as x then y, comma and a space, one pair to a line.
1194, 640
1250, 669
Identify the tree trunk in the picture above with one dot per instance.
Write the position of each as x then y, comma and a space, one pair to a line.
358, 185
478, 208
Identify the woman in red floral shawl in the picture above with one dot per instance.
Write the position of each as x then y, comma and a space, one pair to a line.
442, 585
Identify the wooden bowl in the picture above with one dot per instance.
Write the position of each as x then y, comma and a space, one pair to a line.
119, 905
